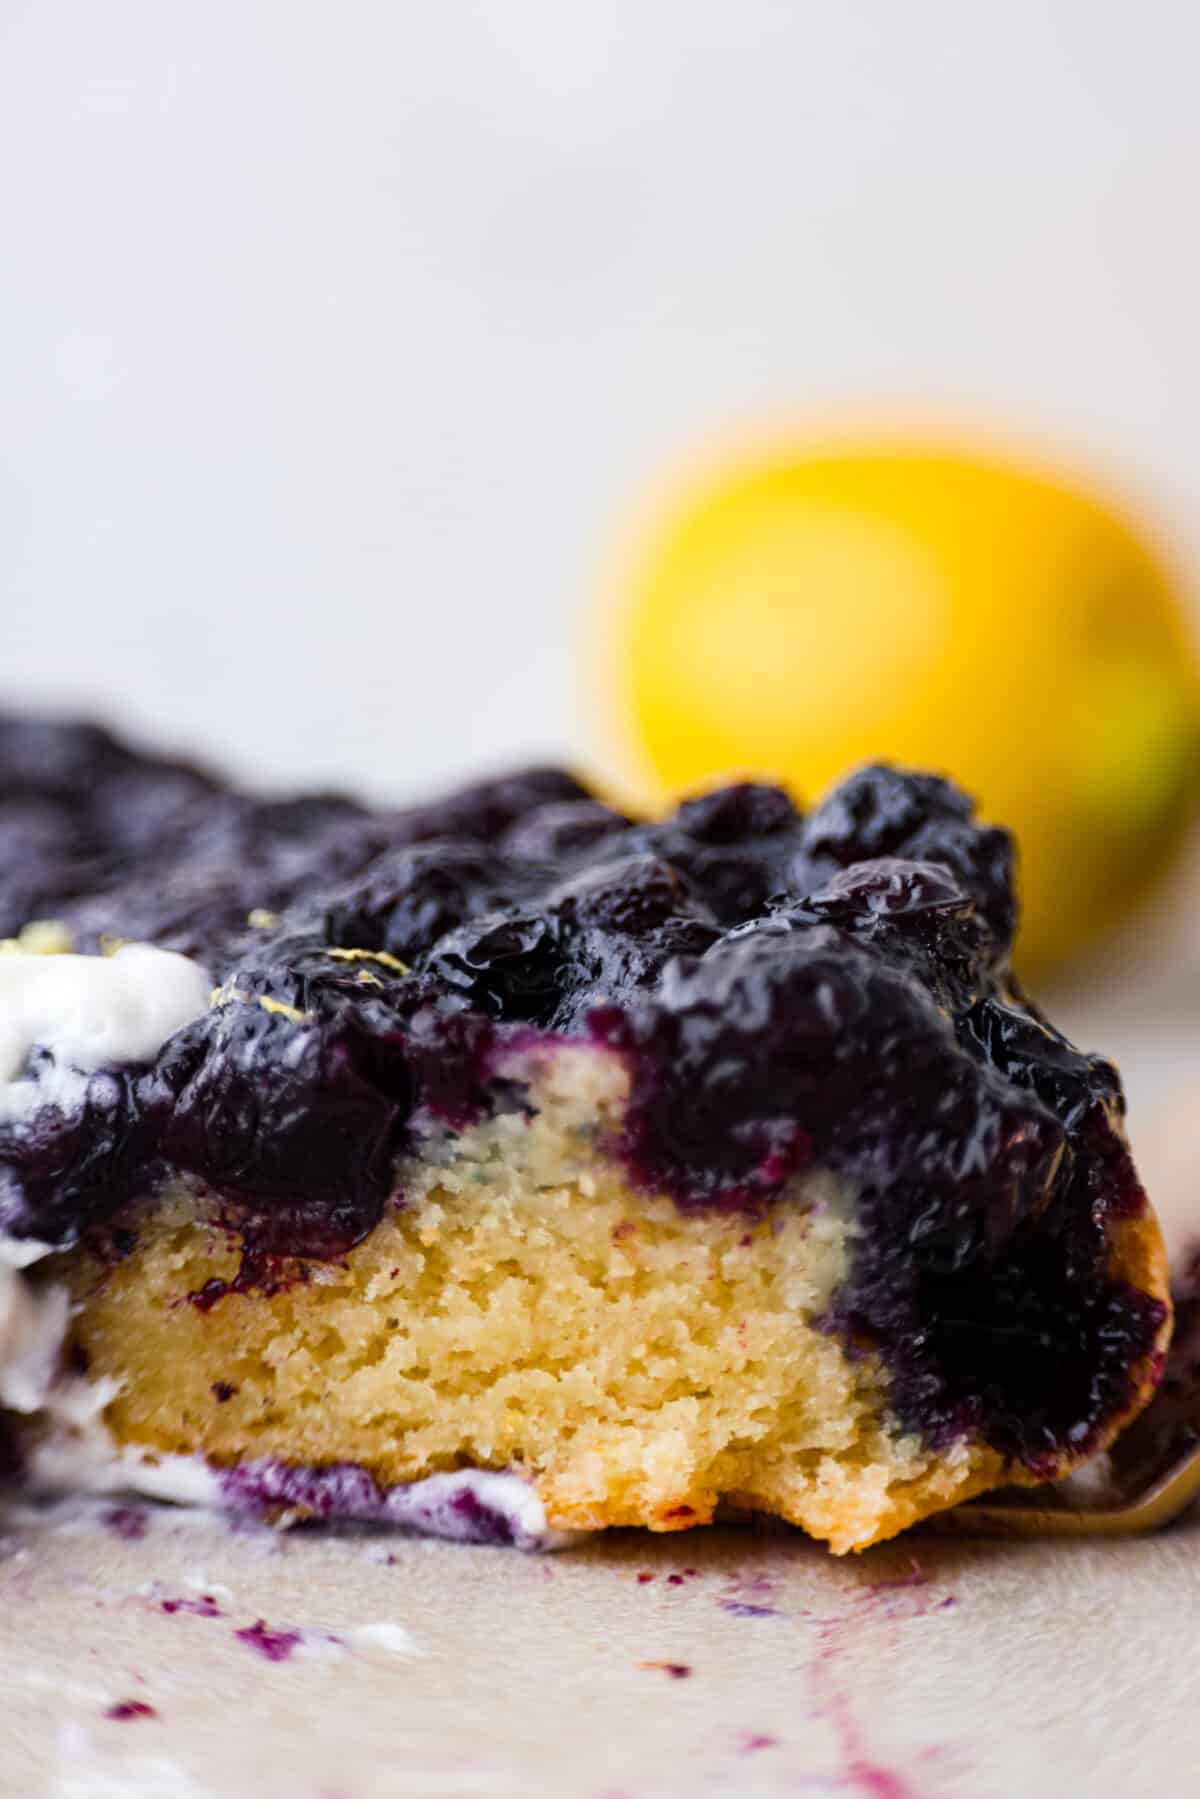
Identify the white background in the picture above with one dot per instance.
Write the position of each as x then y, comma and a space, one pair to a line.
336, 339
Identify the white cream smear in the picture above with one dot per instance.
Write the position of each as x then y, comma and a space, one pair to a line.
89, 1013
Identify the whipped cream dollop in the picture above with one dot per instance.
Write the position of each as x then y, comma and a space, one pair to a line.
90, 1013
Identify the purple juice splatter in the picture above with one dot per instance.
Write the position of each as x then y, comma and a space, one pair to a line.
204, 1607
750, 1596
859, 1770
274, 1645
893, 1599
129, 1522
750, 1742
130, 1708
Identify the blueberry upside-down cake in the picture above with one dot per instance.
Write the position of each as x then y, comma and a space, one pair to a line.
504, 1165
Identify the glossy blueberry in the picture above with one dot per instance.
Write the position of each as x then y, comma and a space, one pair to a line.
509, 965
747, 809
283, 1117
629, 897
410, 897
562, 828
881, 811
87, 1145
890, 887
878, 811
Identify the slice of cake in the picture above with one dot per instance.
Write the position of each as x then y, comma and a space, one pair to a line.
505, 1165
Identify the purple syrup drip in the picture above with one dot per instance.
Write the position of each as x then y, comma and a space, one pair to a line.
130, 1708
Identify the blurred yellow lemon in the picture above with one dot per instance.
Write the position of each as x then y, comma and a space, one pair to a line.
807, 611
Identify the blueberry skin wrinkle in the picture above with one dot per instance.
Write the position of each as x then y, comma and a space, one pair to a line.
788, 991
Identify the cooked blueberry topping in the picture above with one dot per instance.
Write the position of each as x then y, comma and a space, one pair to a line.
65, 1167
882, 811
284, 1113
877, 812
562, 828
629, 898
890, 887
509, 965
410, 897
732, 814
787, 991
